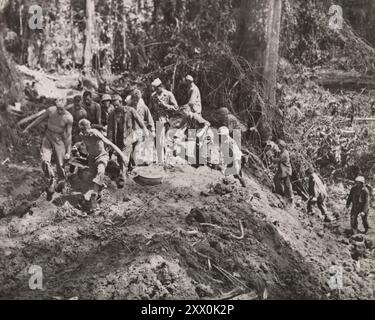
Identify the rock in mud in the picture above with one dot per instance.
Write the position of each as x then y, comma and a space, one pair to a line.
204, 291
197, 215
222, 189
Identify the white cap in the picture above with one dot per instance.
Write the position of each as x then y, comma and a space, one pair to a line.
189, 77
360, 179
223, 131
128, 99
156, 83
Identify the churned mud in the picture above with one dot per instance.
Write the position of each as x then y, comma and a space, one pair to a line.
197, 235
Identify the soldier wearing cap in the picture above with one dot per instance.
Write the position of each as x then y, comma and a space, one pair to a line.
106, 108
359, 200
163, 105
283, 186
123, 123
194, 95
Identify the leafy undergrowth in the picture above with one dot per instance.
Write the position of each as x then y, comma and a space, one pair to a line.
181, 239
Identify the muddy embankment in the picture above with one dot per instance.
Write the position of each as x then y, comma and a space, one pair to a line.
195, 236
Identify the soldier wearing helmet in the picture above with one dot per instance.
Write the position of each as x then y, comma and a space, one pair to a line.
106, 108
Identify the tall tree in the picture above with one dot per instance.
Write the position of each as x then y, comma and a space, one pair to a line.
90, 14
258, 42
124, 29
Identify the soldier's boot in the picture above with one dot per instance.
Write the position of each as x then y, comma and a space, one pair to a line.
93, 203
50, 190
60, 188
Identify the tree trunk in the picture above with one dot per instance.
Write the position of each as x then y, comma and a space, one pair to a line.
10, 87
258, 42
371, 22
124, 28
87, 56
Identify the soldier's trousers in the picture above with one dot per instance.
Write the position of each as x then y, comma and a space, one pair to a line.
320, 203
97, 167
128, 152
161, 140
53, 143
354, 220
283, 186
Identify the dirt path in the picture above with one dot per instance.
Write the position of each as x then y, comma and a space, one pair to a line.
181, 239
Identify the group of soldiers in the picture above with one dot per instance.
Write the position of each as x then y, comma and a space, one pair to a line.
116, 126
358, 199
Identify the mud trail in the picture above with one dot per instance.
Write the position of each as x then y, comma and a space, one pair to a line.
178, 240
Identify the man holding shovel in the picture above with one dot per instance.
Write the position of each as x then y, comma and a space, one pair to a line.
58, 141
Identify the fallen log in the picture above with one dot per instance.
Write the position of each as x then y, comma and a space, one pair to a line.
364, 119
36, 116
32, 124
345, 81
32, 117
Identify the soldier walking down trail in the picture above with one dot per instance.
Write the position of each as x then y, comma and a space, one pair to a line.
194, 95
283, 186
163, 106
359, 199
232, 155
98, 157
57, 141
317, 193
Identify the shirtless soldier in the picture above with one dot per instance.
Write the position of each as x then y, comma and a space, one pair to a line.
98, 157
58, 141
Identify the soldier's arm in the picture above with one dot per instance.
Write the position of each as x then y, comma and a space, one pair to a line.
350, 199
280, 159
173, 102
68, 134
113, 146
150, 120
99, 113
312, 188
192, 96
366, 202
205, 124
140, 122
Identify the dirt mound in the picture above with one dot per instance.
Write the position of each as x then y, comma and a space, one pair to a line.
197, 235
